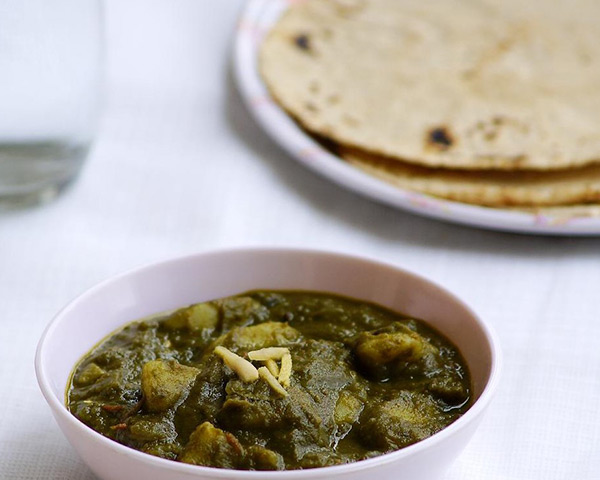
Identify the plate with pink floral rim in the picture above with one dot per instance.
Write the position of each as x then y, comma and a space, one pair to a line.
256, 20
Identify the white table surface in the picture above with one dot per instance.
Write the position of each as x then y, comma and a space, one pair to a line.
179, 167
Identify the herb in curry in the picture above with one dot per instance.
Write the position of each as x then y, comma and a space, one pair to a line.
271, 380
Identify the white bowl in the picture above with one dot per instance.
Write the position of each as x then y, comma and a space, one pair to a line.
181, 281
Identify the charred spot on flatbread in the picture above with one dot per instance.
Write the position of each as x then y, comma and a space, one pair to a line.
439, 138
302, 41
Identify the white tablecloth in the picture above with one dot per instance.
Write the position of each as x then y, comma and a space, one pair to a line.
179, 167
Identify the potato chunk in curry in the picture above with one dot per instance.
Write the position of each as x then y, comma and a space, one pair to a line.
212, 447
400, 422
165, 383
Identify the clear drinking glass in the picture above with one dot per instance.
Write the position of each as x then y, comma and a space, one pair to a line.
50, 89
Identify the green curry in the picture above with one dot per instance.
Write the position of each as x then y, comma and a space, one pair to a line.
347, 380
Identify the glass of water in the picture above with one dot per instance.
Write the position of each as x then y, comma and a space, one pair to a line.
50, 91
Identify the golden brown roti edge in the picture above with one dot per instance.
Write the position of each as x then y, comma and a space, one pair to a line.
484, 187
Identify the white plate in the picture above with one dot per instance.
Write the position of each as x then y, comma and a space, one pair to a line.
258, 17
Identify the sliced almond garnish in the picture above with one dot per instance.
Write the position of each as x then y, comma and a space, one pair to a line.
269, 353
286, 370
244, 369
272, 381
273, 367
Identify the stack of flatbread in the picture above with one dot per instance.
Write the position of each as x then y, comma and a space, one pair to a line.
489, 102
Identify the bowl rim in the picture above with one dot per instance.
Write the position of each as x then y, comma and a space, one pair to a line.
60, 411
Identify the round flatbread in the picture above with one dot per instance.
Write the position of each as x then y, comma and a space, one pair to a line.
469, 84
487, 188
